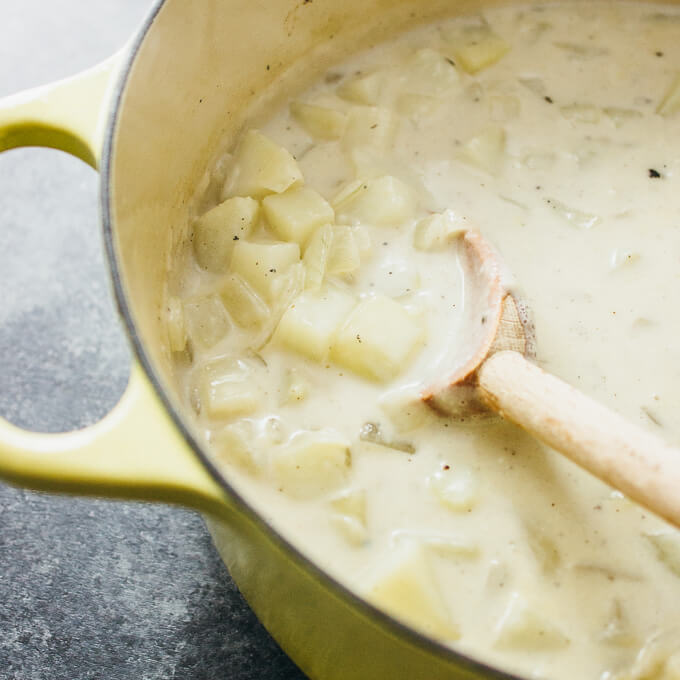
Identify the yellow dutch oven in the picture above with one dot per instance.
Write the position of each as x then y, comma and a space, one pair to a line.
150, 120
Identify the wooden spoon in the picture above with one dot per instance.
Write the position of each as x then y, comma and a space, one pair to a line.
495, 373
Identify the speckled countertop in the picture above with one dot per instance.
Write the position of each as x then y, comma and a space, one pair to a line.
90, 589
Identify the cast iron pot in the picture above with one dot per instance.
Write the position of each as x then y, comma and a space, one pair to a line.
151, 119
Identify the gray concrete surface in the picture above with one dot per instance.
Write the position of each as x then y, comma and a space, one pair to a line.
90, 589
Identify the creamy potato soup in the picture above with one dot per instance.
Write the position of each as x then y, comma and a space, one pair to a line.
322, 290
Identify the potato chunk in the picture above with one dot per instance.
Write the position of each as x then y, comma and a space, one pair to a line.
310, 324
455, 489
670, 103
262, 167
244, 305
437, 231
320, 122
229, 388
383, 201
261, 264
378, 339
407, 590
216, 231
235, 444
485, 150
206, 320
312, 463
296, 213
524, 627
477, 47
430, 73
370, 126
365, 89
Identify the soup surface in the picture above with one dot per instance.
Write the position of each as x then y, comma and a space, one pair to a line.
323, 289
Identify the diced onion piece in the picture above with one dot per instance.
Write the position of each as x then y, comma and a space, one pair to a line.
296, 213
234, 443
310, 324
244, 305
174, 323
229, 388
456, 489
405, 409
371, 433
407, 590
523, 627
262, 167
321, 122
295, 387
477, 47
217, 230
382, 201
378, 339
370, 126
620, 116
581, 113
344, 257
670, 104
312, 463
316, 256
430, 73
364, 89
206, 320
261, 264
437, 231
485, 150
577, 218
667, 547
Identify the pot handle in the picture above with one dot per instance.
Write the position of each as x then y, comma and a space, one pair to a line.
136, 451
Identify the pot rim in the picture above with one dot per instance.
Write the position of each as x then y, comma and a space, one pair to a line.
405, 632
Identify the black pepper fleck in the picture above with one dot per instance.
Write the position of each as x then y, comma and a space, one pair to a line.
548, 99
654, 174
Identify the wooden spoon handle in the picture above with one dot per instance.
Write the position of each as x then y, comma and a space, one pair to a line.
630, 459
